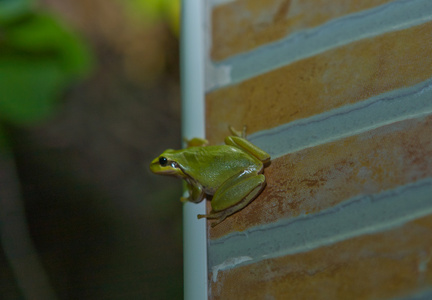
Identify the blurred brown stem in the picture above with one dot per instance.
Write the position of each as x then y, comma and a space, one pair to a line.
15, 239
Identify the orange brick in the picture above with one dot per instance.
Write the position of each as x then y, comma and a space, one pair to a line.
317, 178
326, 81
242, 25
394, 263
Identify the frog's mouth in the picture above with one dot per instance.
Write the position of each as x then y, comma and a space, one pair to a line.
170, 169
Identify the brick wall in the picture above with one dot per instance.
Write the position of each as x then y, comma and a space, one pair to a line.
340, 94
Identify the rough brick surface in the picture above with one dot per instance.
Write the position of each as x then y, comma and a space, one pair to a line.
242, 25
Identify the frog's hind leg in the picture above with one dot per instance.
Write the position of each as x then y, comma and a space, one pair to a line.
222, 215
239, 195
248, 147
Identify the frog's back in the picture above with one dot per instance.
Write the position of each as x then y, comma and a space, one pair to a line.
213, 165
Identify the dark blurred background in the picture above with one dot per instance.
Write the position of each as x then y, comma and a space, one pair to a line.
89, 95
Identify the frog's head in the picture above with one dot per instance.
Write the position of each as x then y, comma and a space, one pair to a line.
166, 164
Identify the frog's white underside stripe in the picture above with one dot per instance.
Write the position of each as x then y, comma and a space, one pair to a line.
395, 15
354, 217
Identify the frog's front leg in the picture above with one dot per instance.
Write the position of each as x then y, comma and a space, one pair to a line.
234, 195
196, 142
196, 193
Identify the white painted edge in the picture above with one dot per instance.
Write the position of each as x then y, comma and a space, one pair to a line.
228, 264
192, 84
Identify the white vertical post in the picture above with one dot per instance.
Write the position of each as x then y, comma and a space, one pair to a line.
192, 84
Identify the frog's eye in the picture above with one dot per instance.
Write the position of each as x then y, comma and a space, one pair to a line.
163, 161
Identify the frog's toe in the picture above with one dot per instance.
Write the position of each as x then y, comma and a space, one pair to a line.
220, 216
211, 215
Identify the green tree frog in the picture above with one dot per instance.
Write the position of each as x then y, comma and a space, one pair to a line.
231, 174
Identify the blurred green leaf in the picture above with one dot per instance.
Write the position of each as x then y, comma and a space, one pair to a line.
11, 10
28, 88
42, 34
38, 58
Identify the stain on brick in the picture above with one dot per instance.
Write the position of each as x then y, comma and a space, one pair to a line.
390, 264
242, 25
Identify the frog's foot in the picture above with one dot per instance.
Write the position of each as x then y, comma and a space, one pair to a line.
220, 216
211, 215
235, 132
